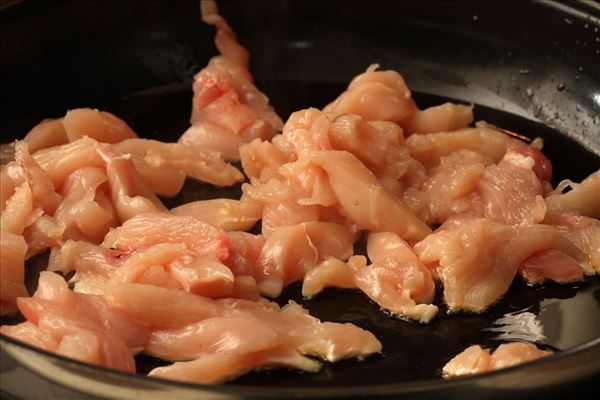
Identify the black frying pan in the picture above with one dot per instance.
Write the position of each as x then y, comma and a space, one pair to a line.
529, 67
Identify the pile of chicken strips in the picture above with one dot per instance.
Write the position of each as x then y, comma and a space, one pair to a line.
438, 201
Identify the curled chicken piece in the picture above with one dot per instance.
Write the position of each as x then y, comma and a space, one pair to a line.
227, 109
376, 96
478, 258
583, 198
475, 360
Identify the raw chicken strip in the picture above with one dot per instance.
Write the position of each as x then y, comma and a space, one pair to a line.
551, 264
99, 125
443, 118
509, 192
153, 228
134, 267
93, 265
261, 160
53, 288
160, 307
430, 148
226, 214
48, 133
42, 234
478, 258
52, 318
327, 340
475, 360
584, 233
18, 210
169, 265
12, 268
363, 200
291, 251
376, 96
583, 198
81, 324
220, 368
227, 109
86, 211
30, 333
29, 198
130, 195
396, 280
197, 163
233, 335
61, 161
331, 272
378, 144
295, 328
450, 188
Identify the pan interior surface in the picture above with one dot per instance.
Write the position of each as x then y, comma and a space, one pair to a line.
146, 79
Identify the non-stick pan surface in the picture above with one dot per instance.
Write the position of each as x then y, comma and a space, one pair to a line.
528, 67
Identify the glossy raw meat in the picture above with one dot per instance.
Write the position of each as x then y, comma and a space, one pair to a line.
477, 259
475, 360
12, 267
227, 109
583, 198
376, 96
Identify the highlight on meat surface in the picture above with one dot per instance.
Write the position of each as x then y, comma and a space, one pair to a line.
475, 360
435, 200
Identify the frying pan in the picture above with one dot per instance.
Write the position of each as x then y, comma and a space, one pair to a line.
529, 67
